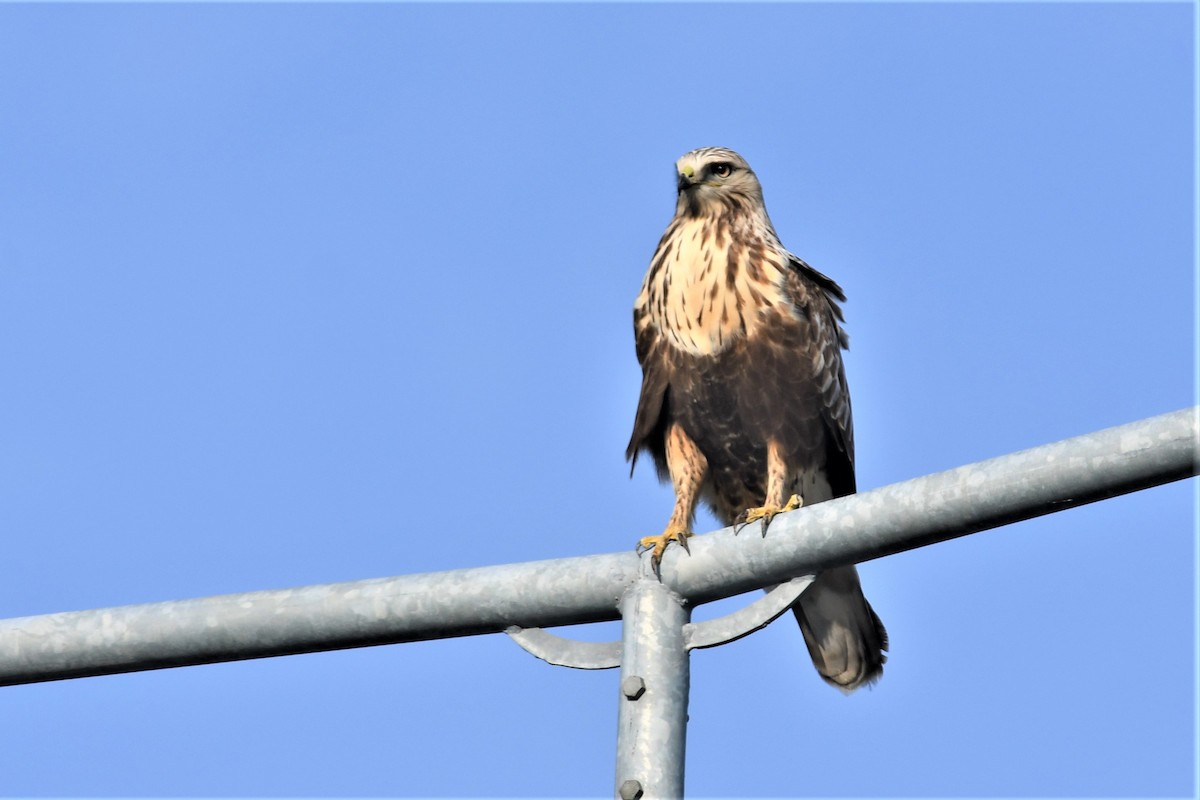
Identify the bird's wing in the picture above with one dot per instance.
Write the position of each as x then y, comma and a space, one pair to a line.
649, 422
820, 297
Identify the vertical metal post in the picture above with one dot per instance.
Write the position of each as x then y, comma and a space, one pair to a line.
652, 717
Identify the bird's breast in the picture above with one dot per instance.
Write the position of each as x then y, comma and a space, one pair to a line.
707, 286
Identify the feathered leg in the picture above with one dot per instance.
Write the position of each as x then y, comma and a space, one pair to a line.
687, 466
778, 477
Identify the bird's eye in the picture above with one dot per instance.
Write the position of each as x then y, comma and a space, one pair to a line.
721, 170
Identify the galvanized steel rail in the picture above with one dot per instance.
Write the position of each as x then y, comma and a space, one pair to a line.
539, 594
542, 594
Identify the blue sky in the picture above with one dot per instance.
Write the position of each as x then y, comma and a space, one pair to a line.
294, 294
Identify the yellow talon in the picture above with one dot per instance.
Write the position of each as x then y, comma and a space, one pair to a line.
767, 513
658, 544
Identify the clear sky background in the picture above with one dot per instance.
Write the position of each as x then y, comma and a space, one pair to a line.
295, 294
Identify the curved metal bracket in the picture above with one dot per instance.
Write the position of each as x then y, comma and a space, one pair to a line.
564, 652
745, 621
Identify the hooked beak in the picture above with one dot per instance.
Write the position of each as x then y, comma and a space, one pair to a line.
686, 178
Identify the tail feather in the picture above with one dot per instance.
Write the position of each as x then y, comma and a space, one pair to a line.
845, 637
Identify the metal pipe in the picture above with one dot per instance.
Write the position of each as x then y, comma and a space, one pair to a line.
312, 619
587, 589
652, 715
942, 506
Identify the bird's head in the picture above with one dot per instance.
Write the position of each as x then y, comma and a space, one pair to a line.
712, 177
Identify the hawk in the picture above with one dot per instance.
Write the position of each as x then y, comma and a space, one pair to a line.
744, 401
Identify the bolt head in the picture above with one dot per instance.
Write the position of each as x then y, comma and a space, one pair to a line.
633, 687
630, 790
